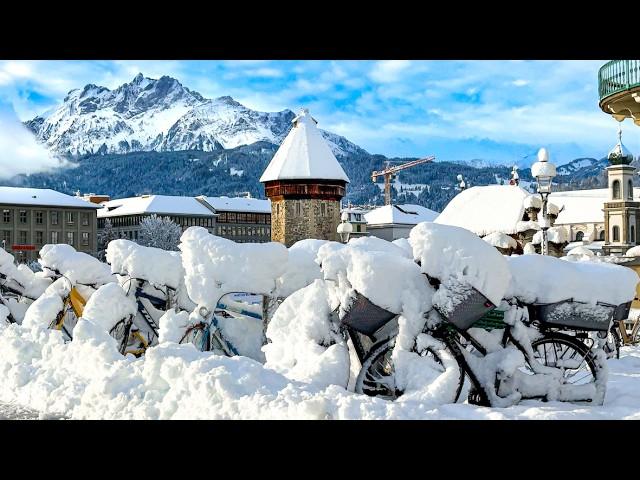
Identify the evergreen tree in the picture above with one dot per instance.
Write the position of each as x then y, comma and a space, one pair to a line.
159, 232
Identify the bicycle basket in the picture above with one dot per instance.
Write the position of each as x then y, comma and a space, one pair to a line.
622, 312
576, 315
469, 306
366, 317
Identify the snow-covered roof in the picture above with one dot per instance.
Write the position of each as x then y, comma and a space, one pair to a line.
400, 214
41, 196
484, 210
580, 206
500, 240
149, 204
304, 154
251, 205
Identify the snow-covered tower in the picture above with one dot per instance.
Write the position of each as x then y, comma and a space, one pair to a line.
621, 212
305, 183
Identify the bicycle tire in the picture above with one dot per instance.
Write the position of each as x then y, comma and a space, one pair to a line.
614, 341
196, 335
635, 334
120, 331
374, 364
589, 359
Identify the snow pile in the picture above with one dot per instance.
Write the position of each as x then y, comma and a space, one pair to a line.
523, 226
304, 344
632, 252
157, 266
21, 277
552, 209
484, 210
43, 312
582, 251
453, 253
554, 235
533, 201
108, 305
301, 271
375, 244
403, 243
76, 266
529, 249
215, 266
500, 240
544, 279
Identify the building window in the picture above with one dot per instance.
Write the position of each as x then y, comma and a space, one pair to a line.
6, 216
616, 233
70, 238
39, 217
297, 210
616, 190
602, 235
39, 237
579, 236
22, 237
85, 219
23, 216
6, 236
323, 209
85, 238
277, 209
632, 237
630, 192
54, 237
70, 218
54, 218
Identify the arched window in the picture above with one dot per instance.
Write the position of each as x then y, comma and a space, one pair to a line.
602, 236
630, 192
579, 236
616, 234
616, 190
632, 236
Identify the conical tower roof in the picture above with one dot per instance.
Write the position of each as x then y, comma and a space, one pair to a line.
304, 154
620, 155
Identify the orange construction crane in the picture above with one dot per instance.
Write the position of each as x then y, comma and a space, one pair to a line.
388, 173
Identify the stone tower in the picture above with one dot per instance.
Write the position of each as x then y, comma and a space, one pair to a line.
305, 183
621, 212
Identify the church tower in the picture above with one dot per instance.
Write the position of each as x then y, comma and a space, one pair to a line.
305, 184
621, 212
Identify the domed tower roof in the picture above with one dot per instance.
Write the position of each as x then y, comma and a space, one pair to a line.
620, 155
304, 154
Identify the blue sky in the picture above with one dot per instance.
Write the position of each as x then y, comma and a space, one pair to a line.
457, 110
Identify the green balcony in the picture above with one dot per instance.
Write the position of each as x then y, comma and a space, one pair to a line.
619, 89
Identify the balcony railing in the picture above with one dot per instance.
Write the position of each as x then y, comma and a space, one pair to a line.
617, 76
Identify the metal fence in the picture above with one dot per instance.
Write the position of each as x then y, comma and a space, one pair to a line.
618, 75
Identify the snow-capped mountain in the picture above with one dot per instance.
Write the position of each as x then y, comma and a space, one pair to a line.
161, 115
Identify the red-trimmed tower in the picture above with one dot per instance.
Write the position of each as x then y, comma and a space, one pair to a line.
305, 184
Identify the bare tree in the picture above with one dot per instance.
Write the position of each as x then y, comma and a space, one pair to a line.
159, 232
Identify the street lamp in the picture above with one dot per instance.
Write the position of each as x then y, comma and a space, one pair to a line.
544, 172
345, 228
462, 185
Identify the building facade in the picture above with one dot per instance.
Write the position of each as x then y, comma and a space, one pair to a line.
392, 222
31, 218
305, 184
356, 217
243, 220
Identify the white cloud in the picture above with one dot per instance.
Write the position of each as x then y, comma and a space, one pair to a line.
19, 150
388, 71
520, 82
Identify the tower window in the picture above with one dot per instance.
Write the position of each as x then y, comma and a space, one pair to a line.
616, 189
579, 236
602, 235
632, 237
630, 192
616, 233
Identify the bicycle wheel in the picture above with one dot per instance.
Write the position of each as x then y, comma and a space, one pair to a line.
120, 331
577, 362
377, 377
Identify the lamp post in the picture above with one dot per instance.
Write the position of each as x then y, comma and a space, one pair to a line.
462, 185
345, 228
544, 172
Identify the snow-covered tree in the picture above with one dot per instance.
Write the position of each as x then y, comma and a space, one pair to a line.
159, 232
104, 237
